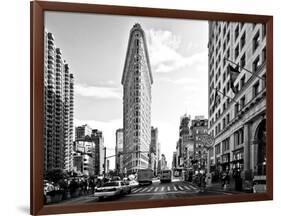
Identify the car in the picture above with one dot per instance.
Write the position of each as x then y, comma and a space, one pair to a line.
115, 178
259, 184
133, 183
165, 176
127, 188
111, 189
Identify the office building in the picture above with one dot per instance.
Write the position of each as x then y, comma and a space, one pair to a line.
237, 114
154, 149
98, 139
136, 81
199, 129
83, 132
58, 108
119, 151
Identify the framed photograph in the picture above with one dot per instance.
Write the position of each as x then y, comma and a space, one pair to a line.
141, 107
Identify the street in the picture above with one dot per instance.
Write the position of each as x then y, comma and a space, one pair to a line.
175, 189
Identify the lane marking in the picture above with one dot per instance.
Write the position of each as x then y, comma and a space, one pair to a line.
156, 189
162, 189
169, 188
175, 188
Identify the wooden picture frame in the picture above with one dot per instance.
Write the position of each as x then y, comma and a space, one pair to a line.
37, 9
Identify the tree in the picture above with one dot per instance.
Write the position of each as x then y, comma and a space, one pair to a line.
55, 175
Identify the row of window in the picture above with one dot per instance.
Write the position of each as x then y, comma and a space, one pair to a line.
225, 144
237, 108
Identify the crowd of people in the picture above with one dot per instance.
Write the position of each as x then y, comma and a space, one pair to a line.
71, 187
201, 179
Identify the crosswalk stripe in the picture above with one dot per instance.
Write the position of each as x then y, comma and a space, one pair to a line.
137, 190
168, 188
150, 189
134, 189
180, 188
162, 189
186, 187
143, 190
175, 188
194, 188
156, 189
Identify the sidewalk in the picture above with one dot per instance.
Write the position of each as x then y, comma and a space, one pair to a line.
83, 198
218, 187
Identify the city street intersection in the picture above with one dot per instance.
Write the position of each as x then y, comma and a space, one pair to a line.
175, 189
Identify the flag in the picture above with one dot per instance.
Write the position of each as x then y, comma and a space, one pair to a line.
233, 75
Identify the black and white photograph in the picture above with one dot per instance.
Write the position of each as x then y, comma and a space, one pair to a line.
147, 108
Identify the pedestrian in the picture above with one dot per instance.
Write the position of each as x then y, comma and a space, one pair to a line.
223, 179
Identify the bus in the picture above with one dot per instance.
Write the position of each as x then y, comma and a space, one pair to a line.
165, 176
144, 176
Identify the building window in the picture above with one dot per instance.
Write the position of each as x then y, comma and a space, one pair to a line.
243, 40
242, 101
225, 145
256, 64
236, 33
228, 54
218, 149
256, 41
243, 61
228, 37
242, 81
236, 109
256, 89
236, 51
224, 76
227, 118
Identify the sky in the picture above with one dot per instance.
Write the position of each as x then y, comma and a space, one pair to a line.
95, 46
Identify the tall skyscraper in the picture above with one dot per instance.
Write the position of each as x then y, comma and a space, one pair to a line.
97, 138
238, 124
58, 108
183, 140
119, 151
136, 81
154, 149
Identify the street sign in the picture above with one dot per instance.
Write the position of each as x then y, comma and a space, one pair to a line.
206, 139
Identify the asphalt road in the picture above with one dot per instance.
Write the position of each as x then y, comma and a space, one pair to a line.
156, 190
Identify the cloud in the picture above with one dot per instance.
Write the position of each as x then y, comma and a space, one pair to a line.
100, 92
164, 53
186, 80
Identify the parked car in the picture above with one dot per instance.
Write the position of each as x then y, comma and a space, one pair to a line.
113, 188
259, 184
